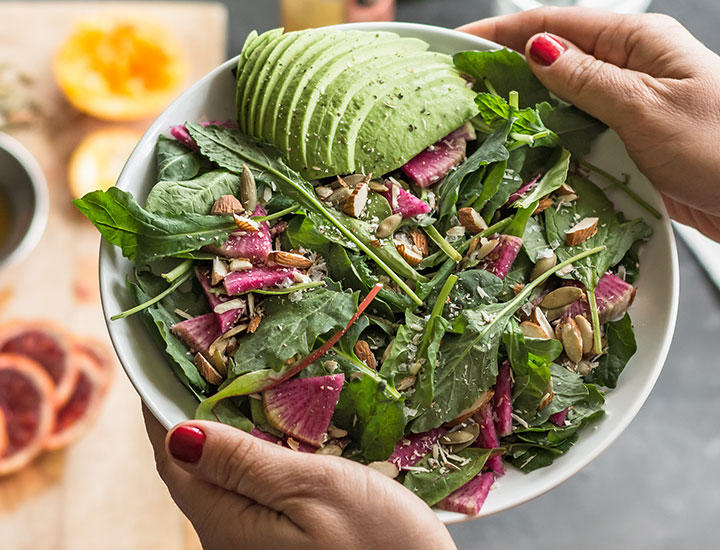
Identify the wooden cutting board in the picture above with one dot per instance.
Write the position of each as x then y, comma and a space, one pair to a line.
102, 493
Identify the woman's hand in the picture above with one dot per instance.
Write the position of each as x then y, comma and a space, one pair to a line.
241, 492
646, 77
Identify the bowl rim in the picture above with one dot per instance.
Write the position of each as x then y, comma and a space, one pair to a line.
446, 517
41, 203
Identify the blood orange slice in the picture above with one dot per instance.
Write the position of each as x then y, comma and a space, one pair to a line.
3, 433
46, 343
77, 414
102, 357
27, 401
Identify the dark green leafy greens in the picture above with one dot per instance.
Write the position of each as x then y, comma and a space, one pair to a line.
195, 196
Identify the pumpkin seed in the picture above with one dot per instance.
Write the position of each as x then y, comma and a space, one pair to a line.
586, 331
571, 339
332, 450
248, 190
388, 226
386, 468
561, 297
378, 187
554, 314
543, 265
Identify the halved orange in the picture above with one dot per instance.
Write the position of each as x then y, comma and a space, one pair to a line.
120, 69
98, 160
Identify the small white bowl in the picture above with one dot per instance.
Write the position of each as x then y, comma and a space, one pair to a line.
653, 313
23, 185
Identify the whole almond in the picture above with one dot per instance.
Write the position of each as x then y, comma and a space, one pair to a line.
225, 205
472, 220
420, 241
355, 203
365, 354
289, 259
538, 317
253, 324
561, 297
409, 252
581, 231
207, 371
219, 271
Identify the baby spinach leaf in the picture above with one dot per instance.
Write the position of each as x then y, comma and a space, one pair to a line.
568, 389
474, 287
373, 418
551, 180
544, 349
520, 219
175, 162
621, 347
506, 71
495, 110
534, 240
528, 457
531, 377
575, 128
228, 412
149, 236
510, 182
289, 329
195, 196
436, 483
403, 350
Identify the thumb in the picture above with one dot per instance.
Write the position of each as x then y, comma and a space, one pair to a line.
601, 89
237, 461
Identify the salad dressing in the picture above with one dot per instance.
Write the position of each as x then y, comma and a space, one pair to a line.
4, 217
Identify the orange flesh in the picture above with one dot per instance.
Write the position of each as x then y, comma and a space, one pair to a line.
20, 405
42, 348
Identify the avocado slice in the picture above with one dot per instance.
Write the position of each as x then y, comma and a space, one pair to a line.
257, 46
340, 76
283, 79
411, 118
255, 83
343, 56
387, 57
411, 68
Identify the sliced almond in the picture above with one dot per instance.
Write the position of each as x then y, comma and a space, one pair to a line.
409, 252
517, 288
482, 400
405, 383
385, 468
246, 224
533, 330
330, 450
564, 189
456, 231
227, 204
292, 443
581, 231
543, 265
375, 243
219, 271
207, 371
388, 226
289, 259
472, 220
567, 199
365, 354
586, 332
571, 339
547, 396
473, 246
355, 203
240, 264
486, 248
254, 324
420, 241
223, 307
538, 317
248, 189
323, 192
561, 297
543, 205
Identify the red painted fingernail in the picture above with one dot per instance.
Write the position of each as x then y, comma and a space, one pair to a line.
186, 443
545, 49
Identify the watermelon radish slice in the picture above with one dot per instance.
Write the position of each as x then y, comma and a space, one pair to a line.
198, 333
612, 294
100, 354
413, 447
559, 418
27, 402
46, 343
502, 400
80, 411
226, 319
181, 134
252, 246
501, 258
258, 277
406, 203
302, 408
520, 192
435, 162
469, 498
488, 438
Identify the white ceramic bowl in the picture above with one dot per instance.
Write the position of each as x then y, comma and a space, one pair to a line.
654, 310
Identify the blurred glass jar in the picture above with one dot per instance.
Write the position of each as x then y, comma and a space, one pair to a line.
303, 14
504, 7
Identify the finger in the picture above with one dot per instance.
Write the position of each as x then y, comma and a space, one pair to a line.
582, 26
601, 89
239, 462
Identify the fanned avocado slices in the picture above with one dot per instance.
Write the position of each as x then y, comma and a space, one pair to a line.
338, 102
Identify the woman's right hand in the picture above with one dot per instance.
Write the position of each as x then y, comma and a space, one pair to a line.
646, 77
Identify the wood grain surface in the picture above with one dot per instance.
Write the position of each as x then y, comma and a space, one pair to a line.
103, 492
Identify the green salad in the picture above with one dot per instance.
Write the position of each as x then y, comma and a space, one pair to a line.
391, 255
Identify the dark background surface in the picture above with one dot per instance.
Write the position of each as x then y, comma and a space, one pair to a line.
658, 486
